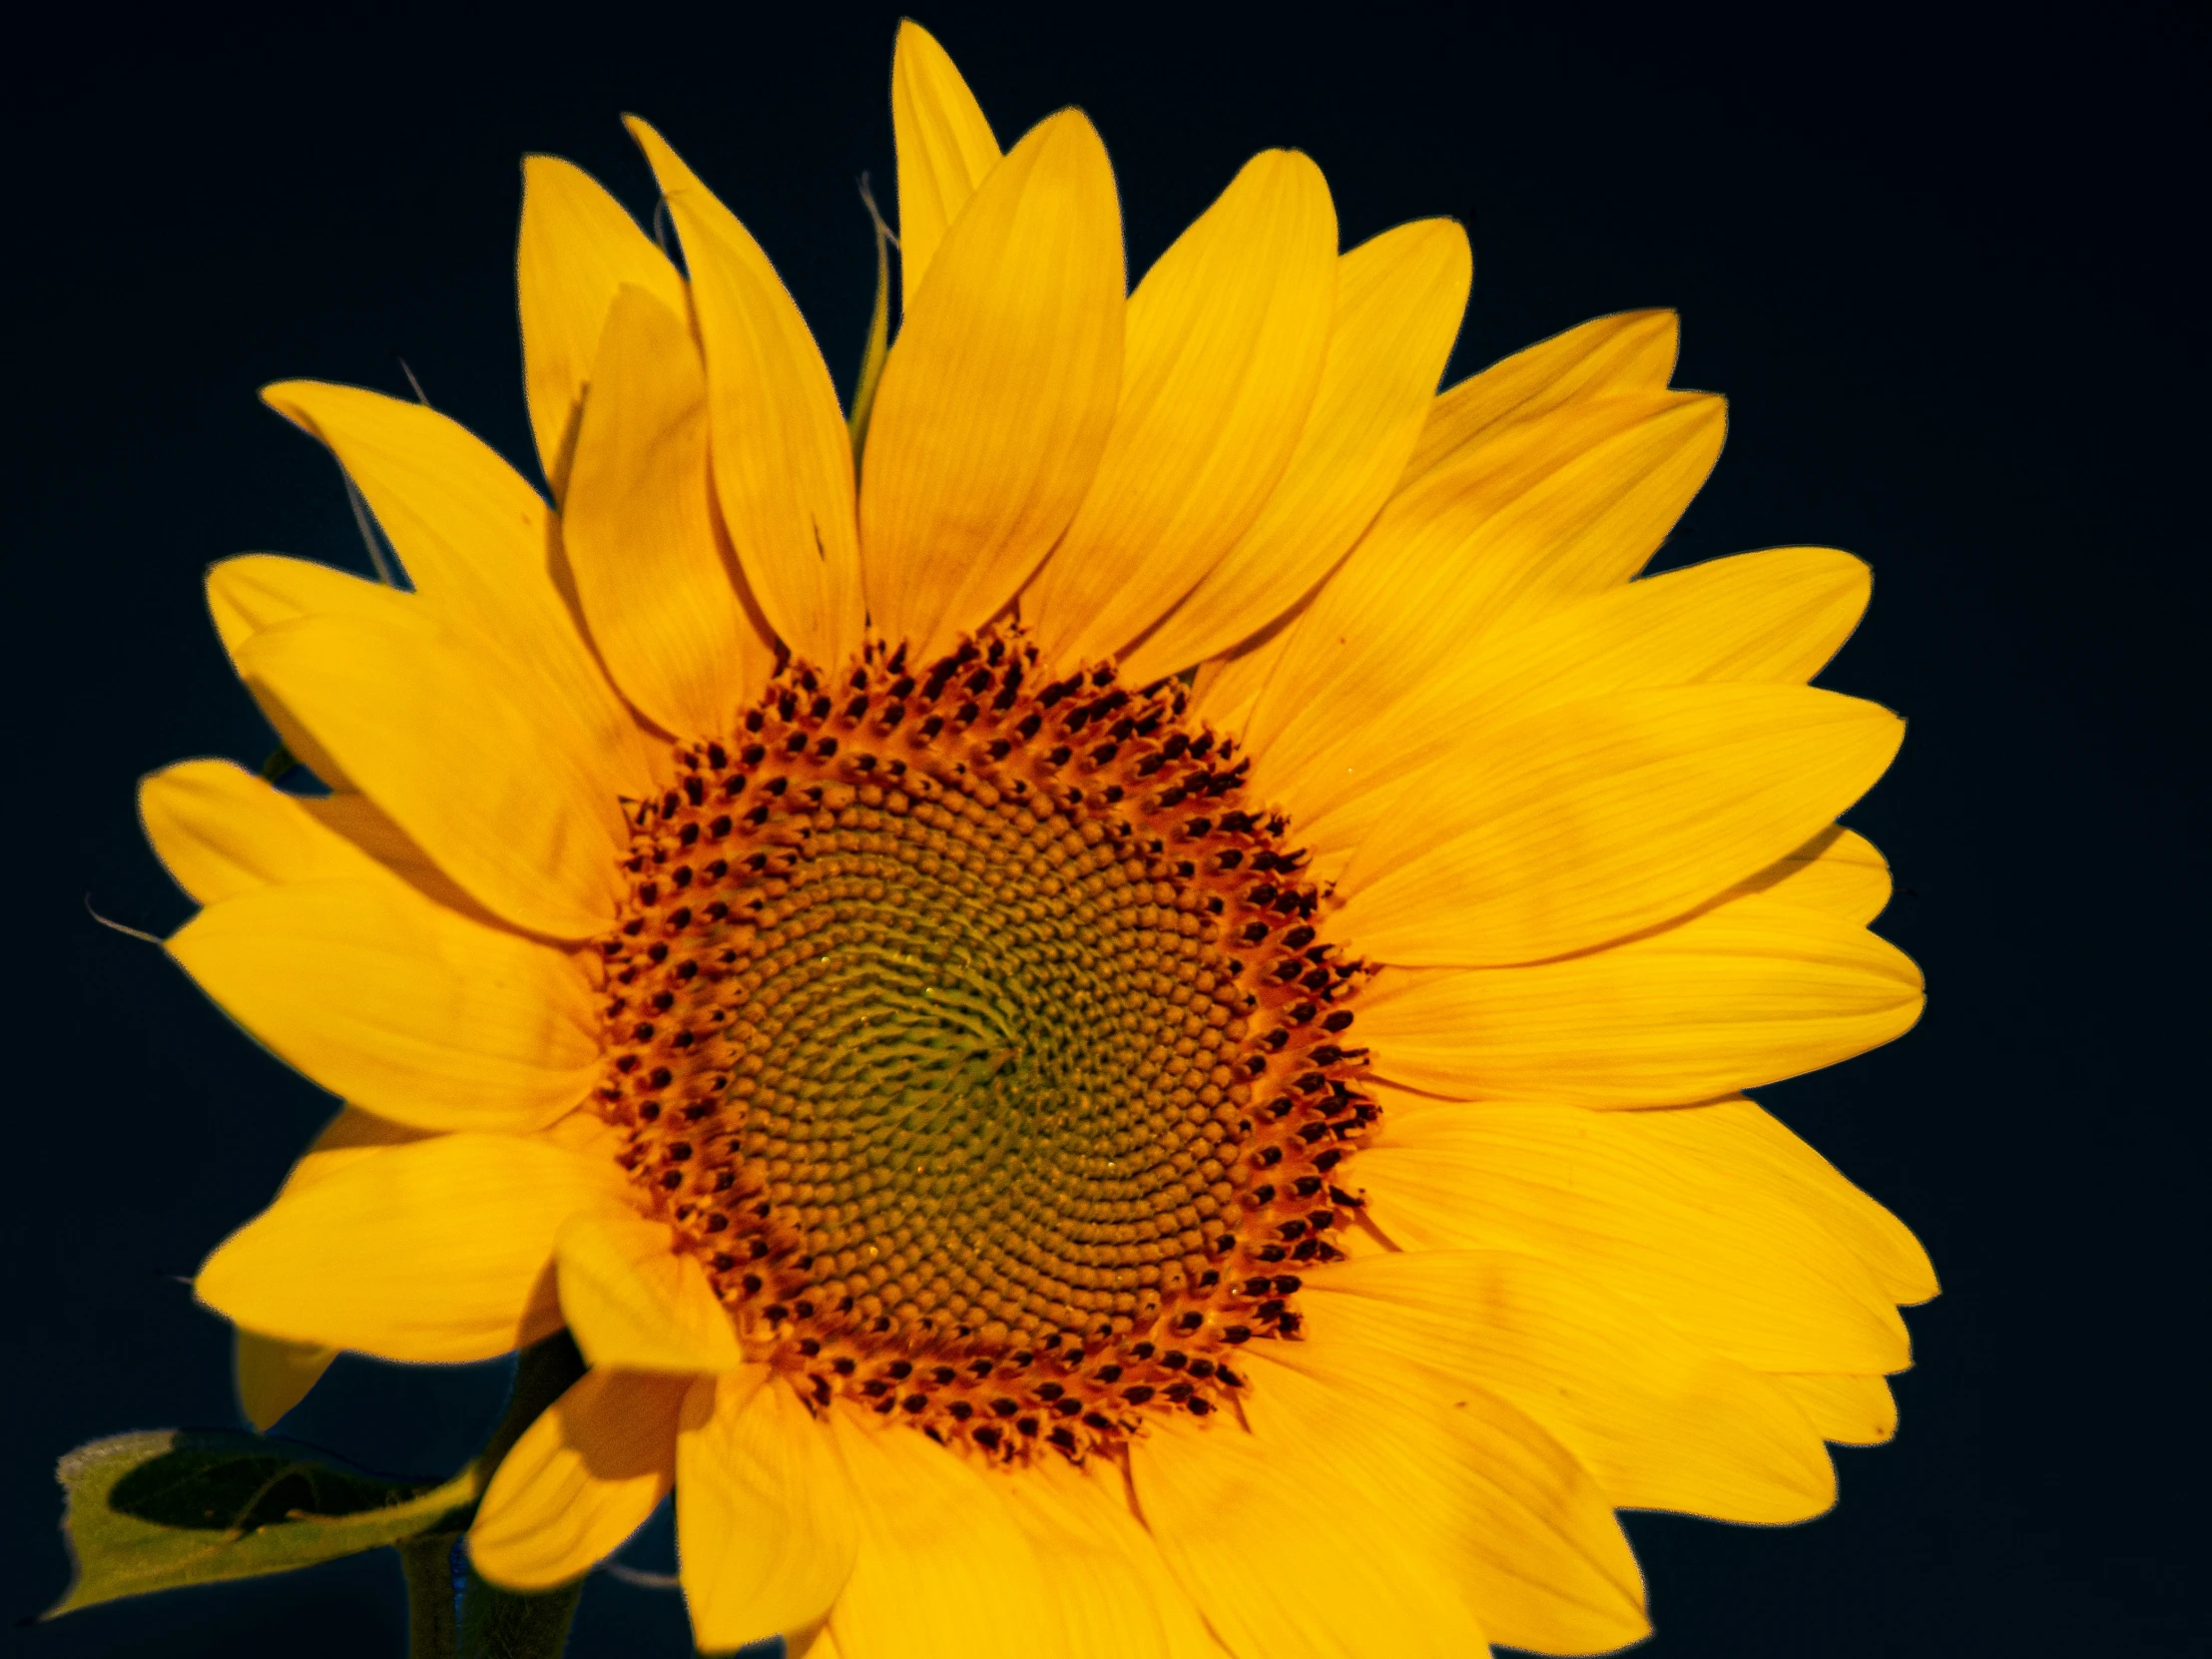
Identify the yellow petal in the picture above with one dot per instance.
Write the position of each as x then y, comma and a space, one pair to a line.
1552, 512
945, 149
765, 1528
1739, 1140
943, 1571
219, 831
663, 600
783, 459
1838, 873
405, 1008
582, 1479
274, 1376
1593, 820
345, 1140
258, 590
1731, 1262
439, 1251
1521, 1527
1846, 1408
1772, 617
996, 402
1116, 1597
1661, 1421
508, 797
632, 1301
1207, 1495
1749, 992
1609, 357
1226, 688
368, 830
1399, 302
262, 590
1228, 333
480, 544
579, 248
1472, 1523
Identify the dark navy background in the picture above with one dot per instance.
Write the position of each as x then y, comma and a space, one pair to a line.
1948, 271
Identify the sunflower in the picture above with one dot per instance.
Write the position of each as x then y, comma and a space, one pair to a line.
1114, 1016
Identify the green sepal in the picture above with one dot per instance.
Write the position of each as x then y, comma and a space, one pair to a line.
877, 349
162, 1510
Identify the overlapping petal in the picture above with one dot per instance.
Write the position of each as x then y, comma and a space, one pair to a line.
1748, 993
997, 401
1849, 1410
637, 1302
1228, 335
1608, 356
480, 545
1639, 1202
1472, 1523
441, 1249
511, 798
578, 249
1770, 618
658, 587
1114, 1594
1502, 533
392, 1001
1662, 1421
936, 1545
1399, 302
766, 1522
1593, 821
945, 149
783, 459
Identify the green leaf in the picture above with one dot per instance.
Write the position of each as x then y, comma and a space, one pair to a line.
155, 1511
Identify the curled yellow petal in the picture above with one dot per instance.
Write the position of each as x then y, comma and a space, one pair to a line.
635, 1303
766, 1520
580, 1480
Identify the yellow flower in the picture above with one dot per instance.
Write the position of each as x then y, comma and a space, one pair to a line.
1069, 1018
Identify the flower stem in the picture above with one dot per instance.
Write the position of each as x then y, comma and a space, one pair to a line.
434, 1624
452, 1613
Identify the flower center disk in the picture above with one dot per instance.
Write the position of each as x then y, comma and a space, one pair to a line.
977, 1039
